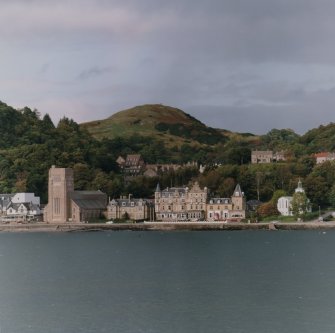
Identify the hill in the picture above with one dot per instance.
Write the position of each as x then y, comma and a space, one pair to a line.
168, 124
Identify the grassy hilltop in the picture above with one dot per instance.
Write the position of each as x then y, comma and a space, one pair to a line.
170, 125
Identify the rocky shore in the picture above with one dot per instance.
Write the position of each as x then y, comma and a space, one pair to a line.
159, 226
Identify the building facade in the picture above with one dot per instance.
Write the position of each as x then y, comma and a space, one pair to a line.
218, 209
181, 203
267, 156
60, 185
133, 209
284, 206
227, 209
261, 156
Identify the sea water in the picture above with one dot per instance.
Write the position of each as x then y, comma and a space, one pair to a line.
162, 282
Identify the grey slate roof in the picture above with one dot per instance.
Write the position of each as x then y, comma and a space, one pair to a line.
89, 199
219, 201
127, 202
238, 192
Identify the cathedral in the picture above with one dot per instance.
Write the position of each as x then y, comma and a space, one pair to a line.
65, 205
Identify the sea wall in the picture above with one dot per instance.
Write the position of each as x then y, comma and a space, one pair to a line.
159, 226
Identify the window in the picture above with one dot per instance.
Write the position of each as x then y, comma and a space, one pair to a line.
57, 205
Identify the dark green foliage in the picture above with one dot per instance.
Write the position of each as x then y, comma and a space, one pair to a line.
198, 132
319, 139
280, 138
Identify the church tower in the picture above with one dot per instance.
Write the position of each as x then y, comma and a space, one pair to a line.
299, 189
59, 187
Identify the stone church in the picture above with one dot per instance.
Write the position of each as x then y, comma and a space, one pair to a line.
67, 205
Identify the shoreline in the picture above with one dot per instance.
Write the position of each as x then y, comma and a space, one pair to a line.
164, 226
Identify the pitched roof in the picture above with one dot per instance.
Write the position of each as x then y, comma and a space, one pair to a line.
219, 201
238, 192
129, 202
322, 154
89, 199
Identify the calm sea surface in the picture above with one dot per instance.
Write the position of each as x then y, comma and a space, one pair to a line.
129, 282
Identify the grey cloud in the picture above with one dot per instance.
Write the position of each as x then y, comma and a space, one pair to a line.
301, 115
247, 60
230, 30
94, 72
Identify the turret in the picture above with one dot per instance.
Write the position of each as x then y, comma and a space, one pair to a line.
238, 199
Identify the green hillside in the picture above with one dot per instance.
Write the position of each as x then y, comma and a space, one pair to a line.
30, 144
168, 124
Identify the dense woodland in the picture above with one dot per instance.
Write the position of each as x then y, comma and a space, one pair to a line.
30, 144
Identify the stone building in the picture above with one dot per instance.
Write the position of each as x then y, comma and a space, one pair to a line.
87, 206
132, 165
66, 205
134, 209
218, 209
261, 156
225, 209
181, 203
267, 156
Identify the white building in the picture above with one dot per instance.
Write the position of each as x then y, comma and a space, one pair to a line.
284, 204
23, 211
19, 207
324, 157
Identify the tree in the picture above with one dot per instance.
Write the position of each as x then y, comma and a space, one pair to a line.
317, 189
276, 195
267, 209
332, 196
227, 187
300, 204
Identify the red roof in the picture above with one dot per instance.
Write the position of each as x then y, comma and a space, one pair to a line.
322, 154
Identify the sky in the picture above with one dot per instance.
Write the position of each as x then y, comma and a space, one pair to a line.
242, 65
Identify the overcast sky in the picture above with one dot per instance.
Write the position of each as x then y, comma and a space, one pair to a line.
243, 65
